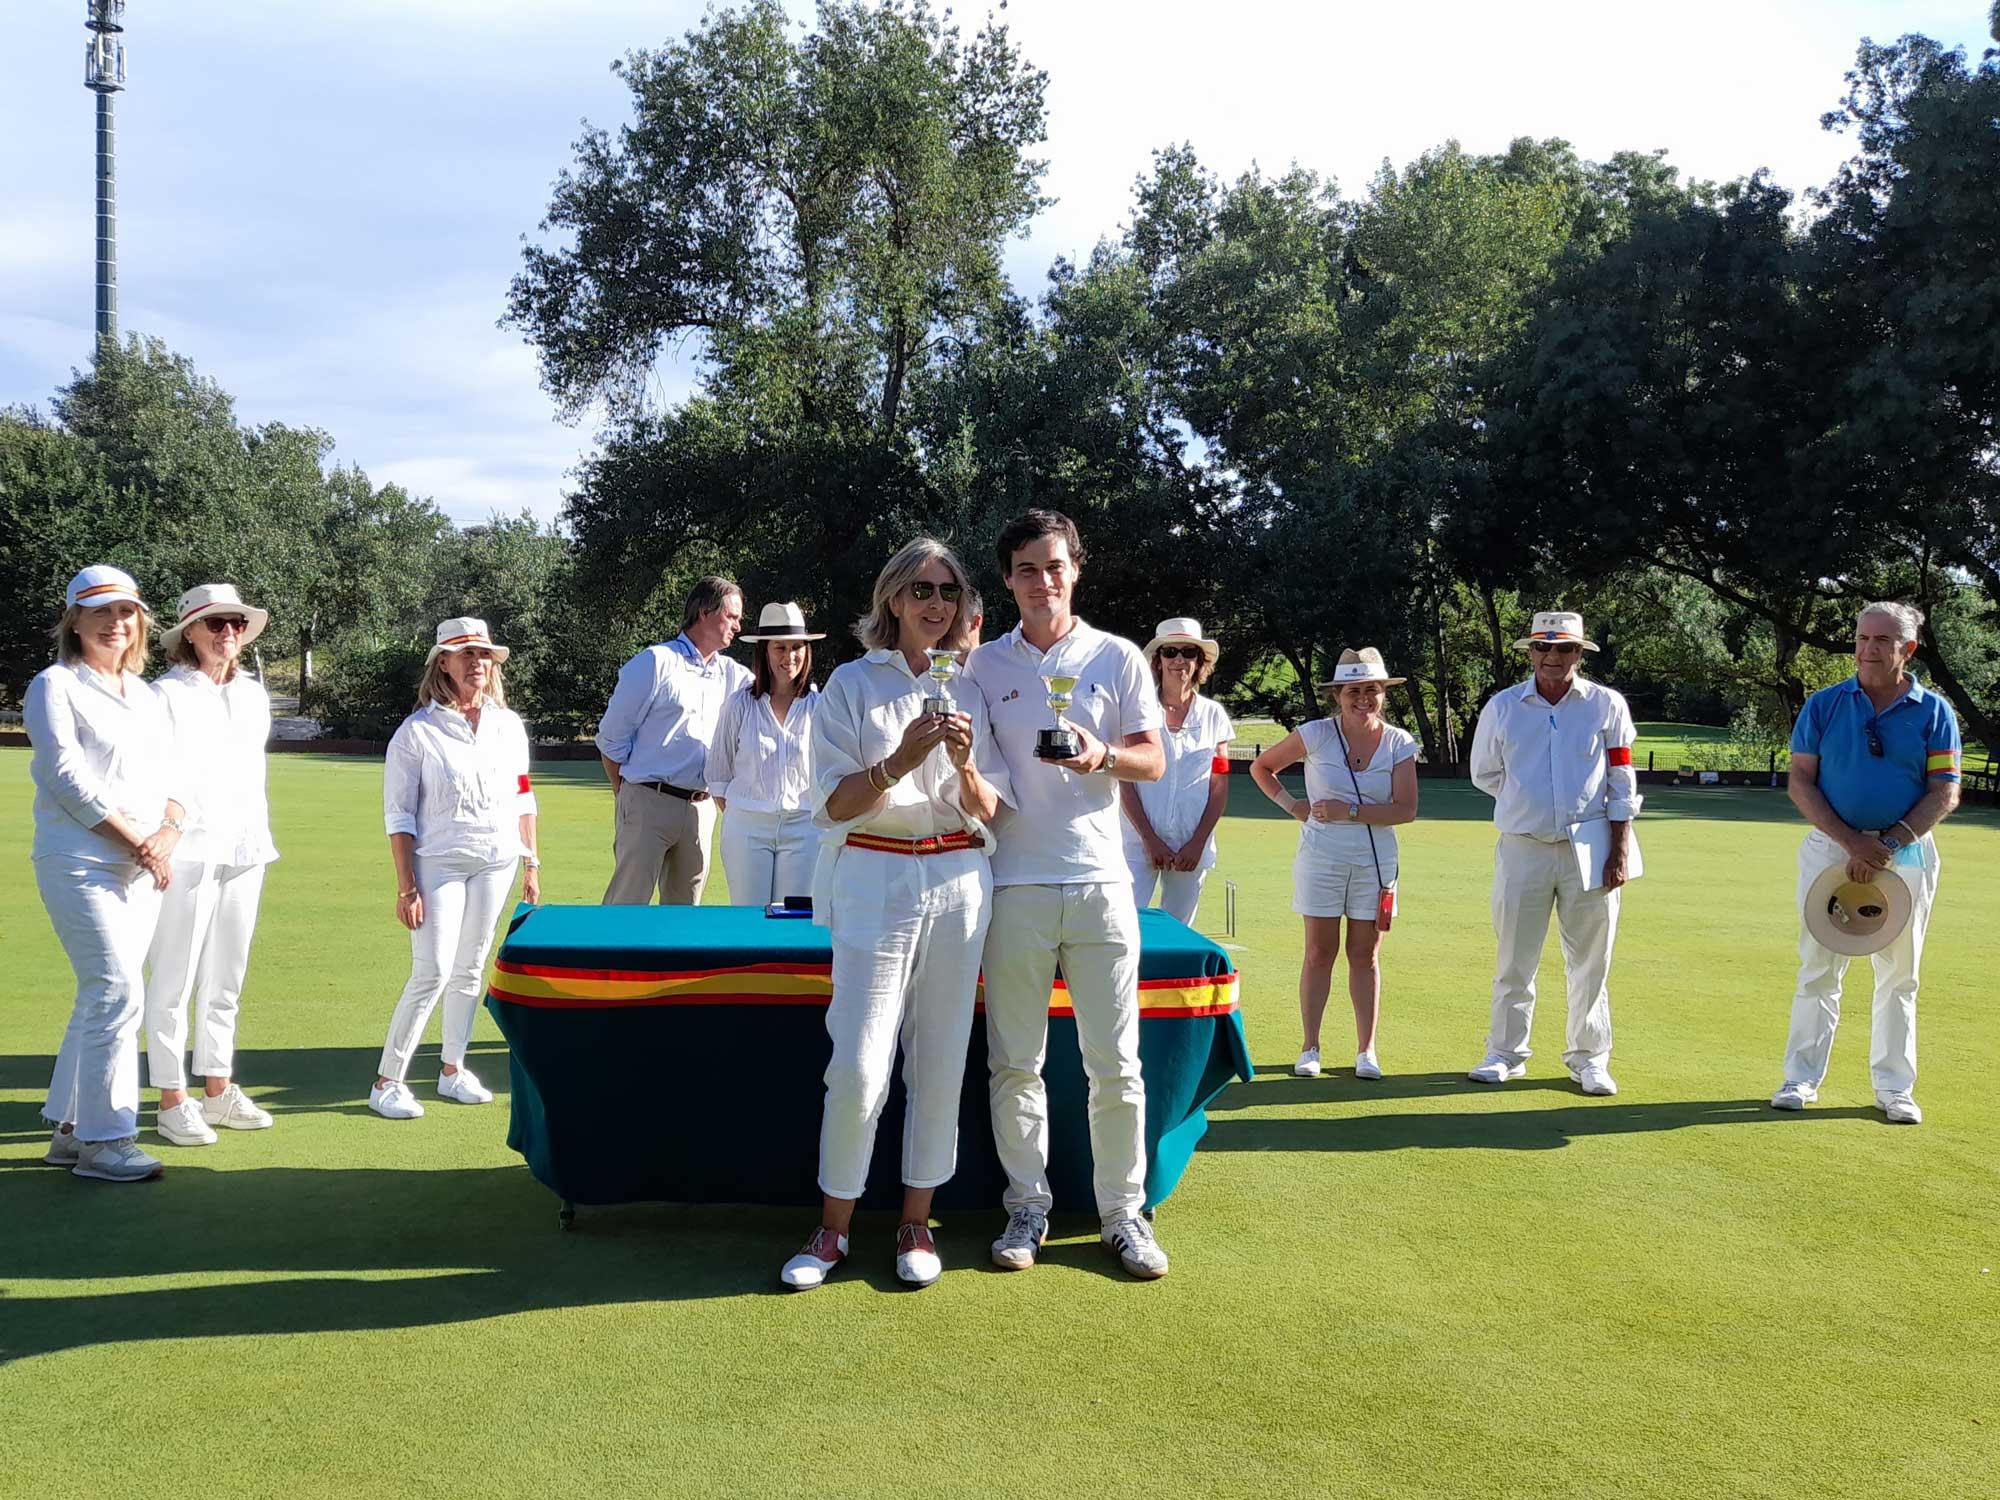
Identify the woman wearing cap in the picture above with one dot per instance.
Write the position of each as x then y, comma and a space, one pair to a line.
201, 949
461, 815
109, 806
904, 797
1170, 823
1361, 781
760, 764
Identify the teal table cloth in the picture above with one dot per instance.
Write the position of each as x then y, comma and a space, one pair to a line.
676, 1053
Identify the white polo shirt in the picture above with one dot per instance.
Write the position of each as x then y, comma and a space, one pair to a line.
97, 752
221, 730
662, 715
1549, 766
758, 765
1063, 828
459, 791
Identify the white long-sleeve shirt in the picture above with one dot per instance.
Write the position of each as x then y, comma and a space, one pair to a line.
756, 764
1174, 805
96, 753
220, 730
456, 790
1549, 766
663, 713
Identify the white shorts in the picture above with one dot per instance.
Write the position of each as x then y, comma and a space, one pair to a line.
1320, 889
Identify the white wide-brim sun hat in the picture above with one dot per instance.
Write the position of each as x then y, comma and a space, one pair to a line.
462, 633
783, 622
1182, 630
214, 599
1555, 626
1853, 918
1365, 665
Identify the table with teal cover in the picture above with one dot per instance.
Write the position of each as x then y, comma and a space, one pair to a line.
676, 1053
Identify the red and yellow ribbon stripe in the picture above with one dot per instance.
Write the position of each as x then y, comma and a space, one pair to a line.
549, 986
1942, 763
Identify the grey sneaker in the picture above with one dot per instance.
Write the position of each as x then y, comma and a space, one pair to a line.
1795, 1096
116, 1161
1131, 1240
1021, 1242
63, 1148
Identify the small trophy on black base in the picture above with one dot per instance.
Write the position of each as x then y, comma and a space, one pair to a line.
943, 664
1058, 741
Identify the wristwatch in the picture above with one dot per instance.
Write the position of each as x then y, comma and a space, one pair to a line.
1354, 812
531, 861
1889, 841
1110, 761
174, 823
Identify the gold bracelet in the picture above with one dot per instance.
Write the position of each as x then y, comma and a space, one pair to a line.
878, 777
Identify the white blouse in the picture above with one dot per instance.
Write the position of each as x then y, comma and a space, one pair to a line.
1327, 779
756, 764
221, 730
97, 753
457, 790
1174, 804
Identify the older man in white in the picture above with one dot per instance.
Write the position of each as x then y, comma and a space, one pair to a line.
654, 739
1555, 754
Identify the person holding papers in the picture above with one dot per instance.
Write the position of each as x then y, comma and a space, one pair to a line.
1555, 754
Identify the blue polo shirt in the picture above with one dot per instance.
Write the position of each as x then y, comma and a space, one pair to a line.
1919, 738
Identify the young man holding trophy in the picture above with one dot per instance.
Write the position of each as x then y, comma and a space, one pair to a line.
1074, 712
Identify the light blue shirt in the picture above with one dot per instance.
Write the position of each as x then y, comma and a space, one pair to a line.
1918, 734
663, 713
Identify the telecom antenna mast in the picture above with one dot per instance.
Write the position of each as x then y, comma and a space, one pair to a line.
104, 76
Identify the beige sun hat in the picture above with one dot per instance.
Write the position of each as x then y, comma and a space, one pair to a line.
1853, 918
219, 599
782, 622
462, 633
1182, 630
1365, 665
1556, 625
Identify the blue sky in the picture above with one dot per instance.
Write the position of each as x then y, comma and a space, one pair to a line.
323, 208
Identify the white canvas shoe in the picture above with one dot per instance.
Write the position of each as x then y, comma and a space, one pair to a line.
1594, 1078
1365, 1065
116, 1161
463, 1087
1497, 1069
1900, 1108
394, 1101
1795, 1096
232, 1110
1308, 1064
182, 1125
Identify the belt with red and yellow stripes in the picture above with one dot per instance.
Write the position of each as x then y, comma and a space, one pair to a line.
943, 843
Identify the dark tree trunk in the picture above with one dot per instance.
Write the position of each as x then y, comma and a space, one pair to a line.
1975, 721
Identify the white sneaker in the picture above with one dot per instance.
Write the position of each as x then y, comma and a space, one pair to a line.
1308, 1064
1795, 1096
1900, 1108
64, 1148
182, 1125
1021, 1241
1365, 1065
917, 1258
394, 1101
812, 1265
232, 1110
463, 1087
1496, 1069
1594, 1078
116, 1161
1131, 1240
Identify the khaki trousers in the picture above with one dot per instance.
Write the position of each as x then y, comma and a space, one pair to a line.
1533, 880
660, 843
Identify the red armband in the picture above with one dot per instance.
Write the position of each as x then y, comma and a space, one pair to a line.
521, 783
1618, 755
1219, 766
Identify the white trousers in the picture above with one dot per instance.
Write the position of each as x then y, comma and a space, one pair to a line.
1892, 1051
1179, 890
1092, 932
768, 855
104, 917
201, 951
906, 935
1531, 880
464, 899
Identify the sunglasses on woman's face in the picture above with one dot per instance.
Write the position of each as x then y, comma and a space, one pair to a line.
921, 591
1561, 648
1178, 653
230, 622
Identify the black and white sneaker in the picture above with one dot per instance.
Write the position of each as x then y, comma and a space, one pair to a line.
1021, 1242
1131, 1240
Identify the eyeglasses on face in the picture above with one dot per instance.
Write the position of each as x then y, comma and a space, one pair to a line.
1561, 648
1177, 653
227, 622
950, 592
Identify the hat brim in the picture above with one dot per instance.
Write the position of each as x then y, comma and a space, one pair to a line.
1210, 649
810, 635
500, 653
170, 639
120, 597
1830, 934
1528, 640
1328, 687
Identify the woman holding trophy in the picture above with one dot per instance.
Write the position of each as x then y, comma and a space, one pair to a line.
905, 782
760, 764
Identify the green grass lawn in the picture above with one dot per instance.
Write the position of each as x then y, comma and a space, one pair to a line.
1411, 1288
